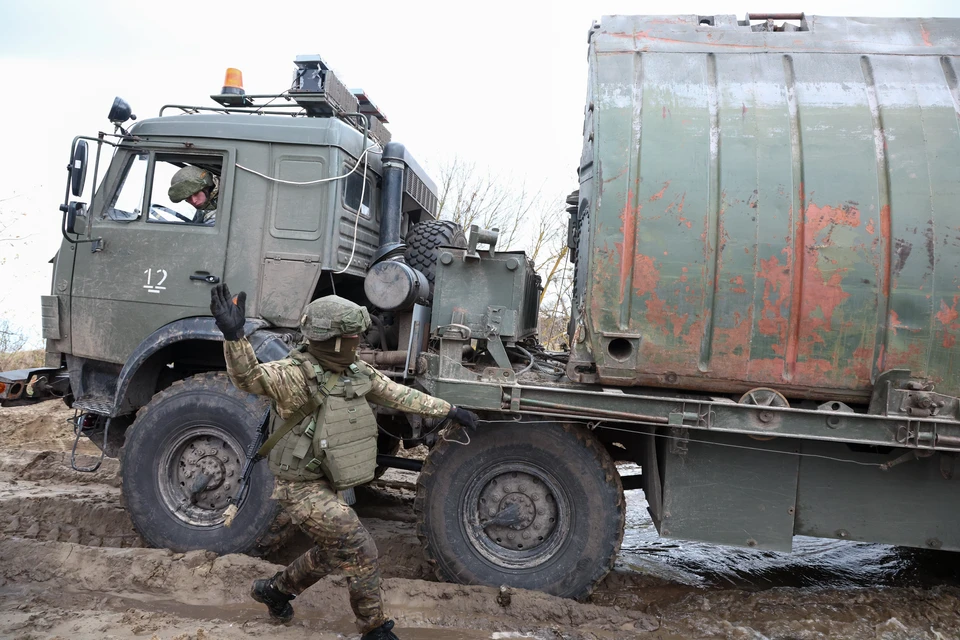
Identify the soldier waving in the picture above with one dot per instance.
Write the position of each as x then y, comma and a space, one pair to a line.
323, 442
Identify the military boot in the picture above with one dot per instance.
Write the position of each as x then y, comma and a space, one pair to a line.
383, 632
265, 591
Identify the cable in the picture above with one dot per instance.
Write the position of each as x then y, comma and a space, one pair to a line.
303, 184
529, 355
356, 222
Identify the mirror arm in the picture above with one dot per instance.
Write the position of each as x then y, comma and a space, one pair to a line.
65, 207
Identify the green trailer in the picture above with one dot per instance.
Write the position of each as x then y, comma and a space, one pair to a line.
765, 301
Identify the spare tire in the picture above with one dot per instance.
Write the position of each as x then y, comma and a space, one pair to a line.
424, 240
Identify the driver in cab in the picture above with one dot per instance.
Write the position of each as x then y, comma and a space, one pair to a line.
199, 188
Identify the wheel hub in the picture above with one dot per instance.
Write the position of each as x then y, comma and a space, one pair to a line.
204, 478
517, 511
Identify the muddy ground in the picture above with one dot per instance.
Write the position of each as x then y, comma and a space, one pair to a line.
72, 566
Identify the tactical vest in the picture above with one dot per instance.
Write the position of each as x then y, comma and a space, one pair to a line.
335, 435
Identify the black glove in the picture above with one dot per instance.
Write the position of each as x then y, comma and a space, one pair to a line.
467, 418
228, 313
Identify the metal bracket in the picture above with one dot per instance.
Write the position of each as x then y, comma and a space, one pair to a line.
478, 235
421, 318
460, 332
499, 376
494, 321
679, 443
917, 434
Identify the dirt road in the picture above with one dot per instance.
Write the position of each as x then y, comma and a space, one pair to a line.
72, 566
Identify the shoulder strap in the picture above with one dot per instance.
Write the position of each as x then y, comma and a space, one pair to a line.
308, 407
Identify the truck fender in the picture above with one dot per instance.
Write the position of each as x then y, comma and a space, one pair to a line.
267, 345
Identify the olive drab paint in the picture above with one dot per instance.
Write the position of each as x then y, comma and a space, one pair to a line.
766, 208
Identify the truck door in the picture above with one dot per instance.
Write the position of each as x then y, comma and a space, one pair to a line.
157, 259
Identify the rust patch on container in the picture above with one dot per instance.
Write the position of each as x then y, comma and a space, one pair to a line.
870, 228
645, 275
818, 292
659, 194
859, 368
625, 249
893, 322
776, 285
948, 315
739, 288
914, 358
926, 36
732, 345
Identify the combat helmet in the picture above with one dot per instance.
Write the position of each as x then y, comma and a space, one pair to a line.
332, 316
187, 181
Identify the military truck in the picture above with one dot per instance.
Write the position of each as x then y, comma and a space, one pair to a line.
764, 302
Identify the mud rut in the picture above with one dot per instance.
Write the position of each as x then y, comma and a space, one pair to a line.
72, 566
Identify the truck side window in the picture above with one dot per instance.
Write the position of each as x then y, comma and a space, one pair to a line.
190, 172
351, 193
129, 197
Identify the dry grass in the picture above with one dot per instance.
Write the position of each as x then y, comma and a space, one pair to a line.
21, 360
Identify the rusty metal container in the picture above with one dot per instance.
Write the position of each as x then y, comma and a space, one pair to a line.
769, 206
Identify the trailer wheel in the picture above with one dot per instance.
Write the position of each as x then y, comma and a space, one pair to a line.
536, 506
181, 462
425, 238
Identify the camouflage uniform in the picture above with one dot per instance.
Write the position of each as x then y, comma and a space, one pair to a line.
188, 181
342, 541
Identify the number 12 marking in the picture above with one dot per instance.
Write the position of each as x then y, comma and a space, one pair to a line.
155, 288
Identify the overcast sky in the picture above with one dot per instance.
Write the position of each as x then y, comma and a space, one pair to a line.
498, 83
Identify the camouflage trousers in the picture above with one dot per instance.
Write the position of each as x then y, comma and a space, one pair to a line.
343, 544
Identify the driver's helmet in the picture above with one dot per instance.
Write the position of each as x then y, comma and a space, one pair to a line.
188, 181
332, 316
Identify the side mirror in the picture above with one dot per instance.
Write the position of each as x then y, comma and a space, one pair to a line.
78, 168
77, 218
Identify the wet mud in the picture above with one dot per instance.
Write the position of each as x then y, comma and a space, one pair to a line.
72, 566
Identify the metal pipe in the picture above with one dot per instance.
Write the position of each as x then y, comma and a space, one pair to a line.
391, 200
383, 357
588, 412
395, 462
774, 16
947, 440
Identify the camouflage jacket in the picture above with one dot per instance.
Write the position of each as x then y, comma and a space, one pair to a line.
284, 383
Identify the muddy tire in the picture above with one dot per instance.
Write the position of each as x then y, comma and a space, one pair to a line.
556, 492
181, 462
425, 238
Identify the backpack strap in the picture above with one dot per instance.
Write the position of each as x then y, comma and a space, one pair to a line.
306, 409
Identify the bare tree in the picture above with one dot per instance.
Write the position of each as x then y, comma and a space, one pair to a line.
13, 352
527, 219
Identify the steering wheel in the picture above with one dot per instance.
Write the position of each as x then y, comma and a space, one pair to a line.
168, 210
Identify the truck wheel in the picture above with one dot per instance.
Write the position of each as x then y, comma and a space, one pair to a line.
182, 460
536, 506
424, 239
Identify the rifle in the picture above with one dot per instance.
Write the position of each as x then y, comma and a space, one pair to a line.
253, 458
